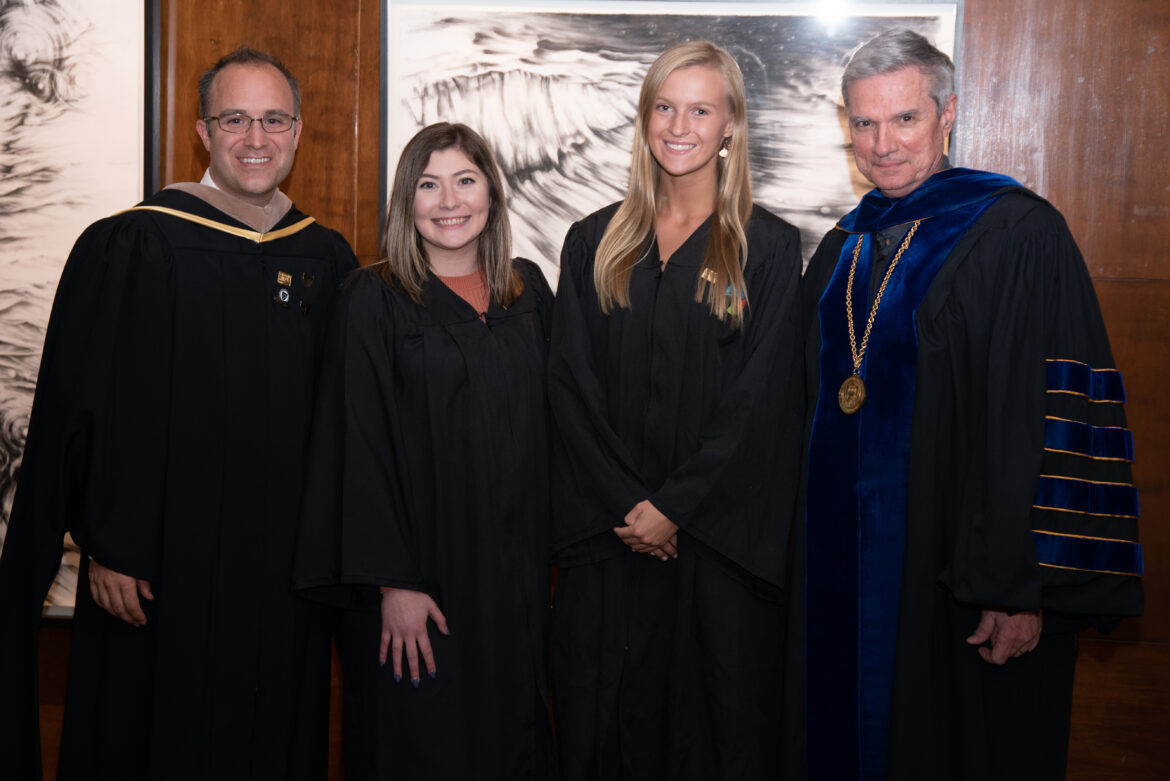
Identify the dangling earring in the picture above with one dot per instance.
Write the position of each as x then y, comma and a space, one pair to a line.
723, 147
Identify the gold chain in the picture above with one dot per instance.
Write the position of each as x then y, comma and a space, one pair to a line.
858, 355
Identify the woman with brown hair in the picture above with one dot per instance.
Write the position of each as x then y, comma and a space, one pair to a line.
426, 499
675, 386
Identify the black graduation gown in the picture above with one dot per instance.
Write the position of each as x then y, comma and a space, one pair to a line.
167, 434
1012, 296
429, 471
667, 669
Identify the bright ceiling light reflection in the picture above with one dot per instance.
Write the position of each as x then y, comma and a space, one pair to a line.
831, 12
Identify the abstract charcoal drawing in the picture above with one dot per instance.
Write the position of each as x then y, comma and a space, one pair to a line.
71, 92
555, 91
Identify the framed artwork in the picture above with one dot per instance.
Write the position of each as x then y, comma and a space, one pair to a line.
553, 88
79, 133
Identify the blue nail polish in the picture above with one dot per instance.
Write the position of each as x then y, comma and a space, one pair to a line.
432, 673
414, 682
398, 677
381, 662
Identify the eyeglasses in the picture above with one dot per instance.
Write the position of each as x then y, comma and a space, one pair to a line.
276, 122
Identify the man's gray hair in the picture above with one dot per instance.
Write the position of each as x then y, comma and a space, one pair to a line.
897, 49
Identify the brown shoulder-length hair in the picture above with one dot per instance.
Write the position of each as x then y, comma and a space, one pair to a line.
402, 261
630, 233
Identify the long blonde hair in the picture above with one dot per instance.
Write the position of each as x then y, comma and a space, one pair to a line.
402, 261
629, 235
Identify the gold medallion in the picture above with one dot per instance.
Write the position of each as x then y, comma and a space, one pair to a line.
852, 394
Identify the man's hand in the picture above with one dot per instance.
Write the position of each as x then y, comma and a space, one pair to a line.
649, 531
1009, 636
404, 629
117, 594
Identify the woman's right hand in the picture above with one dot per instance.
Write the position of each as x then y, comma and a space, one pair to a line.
647, 530
404, 628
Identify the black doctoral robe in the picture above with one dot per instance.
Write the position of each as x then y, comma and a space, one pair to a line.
429, 471
167, 435
1015, 399
669, 669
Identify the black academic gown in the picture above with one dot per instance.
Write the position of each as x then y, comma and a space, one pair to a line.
668, 669
1012, 299
167, 434
429, 471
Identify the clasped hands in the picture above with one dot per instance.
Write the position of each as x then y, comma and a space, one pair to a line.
649, 531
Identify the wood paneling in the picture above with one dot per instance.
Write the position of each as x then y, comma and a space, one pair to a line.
332, 47
53, 655
1121, 706
1072, 97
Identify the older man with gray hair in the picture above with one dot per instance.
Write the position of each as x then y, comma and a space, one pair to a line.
969, 499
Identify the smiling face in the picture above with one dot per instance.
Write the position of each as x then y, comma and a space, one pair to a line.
899, 137
250, 165
689, 119
451, 203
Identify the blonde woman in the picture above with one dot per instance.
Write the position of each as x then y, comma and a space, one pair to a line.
677, 403
426, 501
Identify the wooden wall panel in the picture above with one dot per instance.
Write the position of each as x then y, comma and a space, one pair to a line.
1072, 97
332, 47
1121, 706
53, 655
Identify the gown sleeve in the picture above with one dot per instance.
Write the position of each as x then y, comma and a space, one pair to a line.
96, 463
90, 464
1085, 510
1049, 517
128, 383
595, 479
355, 529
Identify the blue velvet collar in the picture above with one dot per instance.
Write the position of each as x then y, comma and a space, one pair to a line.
947, 191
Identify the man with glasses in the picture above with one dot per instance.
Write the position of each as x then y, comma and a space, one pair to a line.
167, 435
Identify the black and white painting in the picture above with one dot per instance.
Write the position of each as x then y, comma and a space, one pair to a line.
71, 152
554, 88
